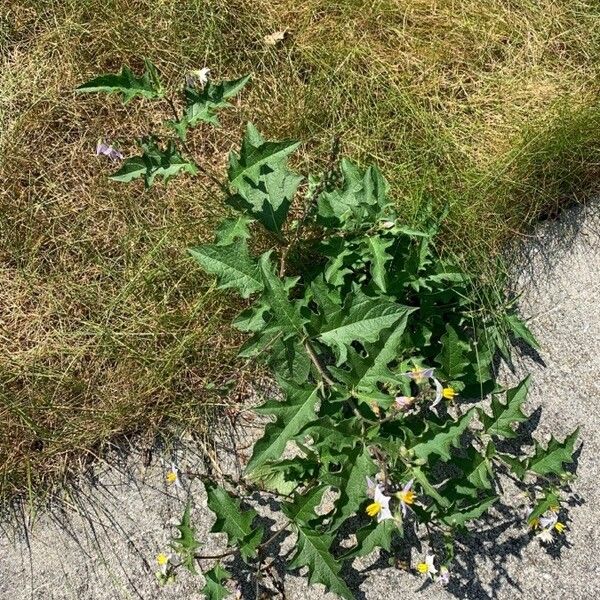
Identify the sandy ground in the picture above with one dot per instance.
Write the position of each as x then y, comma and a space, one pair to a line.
99, 541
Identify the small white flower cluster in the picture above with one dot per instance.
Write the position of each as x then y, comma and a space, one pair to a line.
198, 77
546, 524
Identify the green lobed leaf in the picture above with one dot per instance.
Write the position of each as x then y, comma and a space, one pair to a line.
233, 520
461, 517
132, 168
213, 588
518, 328
202, 105
429, 489
233, 230
357, 465
453, 356
288, 357
550, 460
517, 466
233, 266
282, 477
362, 319
255, 153
374, 535
374, 368
378, 258
302, 509
476, 468
276, 293
292, 414
264, 185
186, 544
504, 415
440, 440
127, 83
358, 203
332, 434
312, 551
154, 162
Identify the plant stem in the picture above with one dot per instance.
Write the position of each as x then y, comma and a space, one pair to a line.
261, 547
317, 363
202, 169
335, 145
330, 382
215, 556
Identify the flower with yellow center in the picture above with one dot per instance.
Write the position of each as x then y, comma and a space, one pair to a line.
406, 496
427, 567
547, 523
163, 561
380, 507
172, 476
418, 374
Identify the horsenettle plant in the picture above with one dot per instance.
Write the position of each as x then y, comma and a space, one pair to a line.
380, 353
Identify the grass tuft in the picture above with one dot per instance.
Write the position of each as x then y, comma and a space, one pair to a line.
106, 327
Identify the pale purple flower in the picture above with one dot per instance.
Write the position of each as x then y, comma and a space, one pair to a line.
550, 521
107, 150
370, 487
444, 576
404, 402
419, 375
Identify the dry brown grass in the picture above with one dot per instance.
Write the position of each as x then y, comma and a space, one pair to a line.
105, 326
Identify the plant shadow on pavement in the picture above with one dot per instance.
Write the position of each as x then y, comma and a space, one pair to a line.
95, 500
537, 259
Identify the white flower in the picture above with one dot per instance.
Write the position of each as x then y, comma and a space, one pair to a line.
406, 496
427, 567
380, 507
439, 392
163, 561
545, 535
198, 77
172, 476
